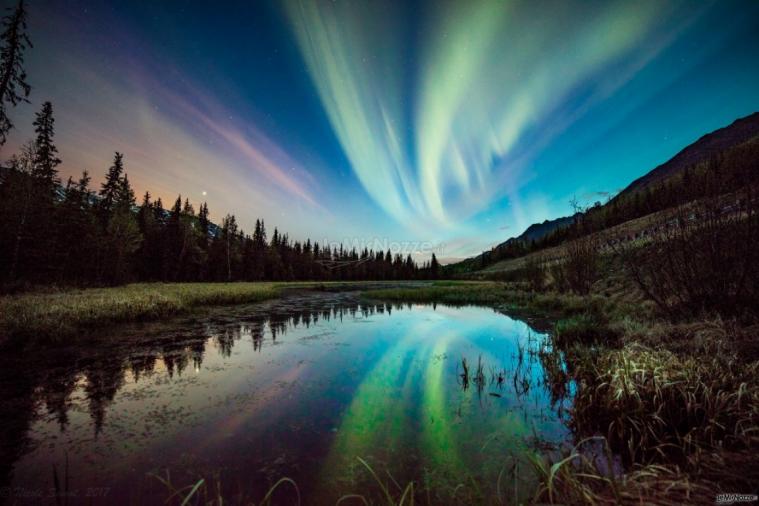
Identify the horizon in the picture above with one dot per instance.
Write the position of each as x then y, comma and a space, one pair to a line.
345, 123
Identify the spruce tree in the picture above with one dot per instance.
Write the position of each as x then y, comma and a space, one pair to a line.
16, 212
13, 85
125, 195
122, 235
110, 189
434, 267
145, 213
46, 157
203, 226
77, 229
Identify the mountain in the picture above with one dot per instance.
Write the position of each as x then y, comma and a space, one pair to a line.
738, 132
537, 231
731, 139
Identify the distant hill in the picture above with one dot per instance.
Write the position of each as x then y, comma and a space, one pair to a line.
539, 230
739, 132
534, 232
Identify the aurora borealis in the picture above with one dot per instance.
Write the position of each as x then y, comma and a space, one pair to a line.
453, 123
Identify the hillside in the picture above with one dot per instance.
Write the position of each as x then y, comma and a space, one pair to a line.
738, 132
732, 150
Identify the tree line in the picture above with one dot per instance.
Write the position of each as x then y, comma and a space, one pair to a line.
70, 234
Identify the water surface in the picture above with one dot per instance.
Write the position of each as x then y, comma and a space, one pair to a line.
300, 387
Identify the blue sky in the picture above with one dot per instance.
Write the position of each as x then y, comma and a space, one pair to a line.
449, 123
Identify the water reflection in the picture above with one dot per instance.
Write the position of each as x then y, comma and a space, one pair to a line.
298, 387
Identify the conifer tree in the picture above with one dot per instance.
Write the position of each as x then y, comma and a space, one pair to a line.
77, 230
125, 195
122, 237
145, 213
109, 191
46, 156
171, 240
16, 211
434, 267
13, 85
159, 213
203, 227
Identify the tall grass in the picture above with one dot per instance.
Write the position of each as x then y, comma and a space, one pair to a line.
50, 316
655, 406
678, 402
507, 296
586, 475
209, 493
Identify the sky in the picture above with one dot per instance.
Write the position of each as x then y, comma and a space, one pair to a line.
419, 126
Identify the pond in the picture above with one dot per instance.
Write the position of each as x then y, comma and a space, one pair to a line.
324, 389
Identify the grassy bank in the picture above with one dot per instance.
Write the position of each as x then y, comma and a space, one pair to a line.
509, 297
57, 315
52, 315
677, 403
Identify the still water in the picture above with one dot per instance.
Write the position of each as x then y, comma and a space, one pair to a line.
300, 387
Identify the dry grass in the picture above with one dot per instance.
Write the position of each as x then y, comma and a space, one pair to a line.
677, 402
51, 316
583, 478
507, 296
656, 406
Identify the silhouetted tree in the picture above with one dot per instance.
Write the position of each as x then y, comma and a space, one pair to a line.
77, 232
46, 154
122, 236
16, 209
109, 191
434, 267
13, 85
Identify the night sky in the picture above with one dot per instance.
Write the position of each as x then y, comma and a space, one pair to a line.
457, 123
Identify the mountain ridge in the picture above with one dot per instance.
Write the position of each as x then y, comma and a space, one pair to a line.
740, 131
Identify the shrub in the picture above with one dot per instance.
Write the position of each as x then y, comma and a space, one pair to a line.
535, 272
703, 259
583, 328
581, 265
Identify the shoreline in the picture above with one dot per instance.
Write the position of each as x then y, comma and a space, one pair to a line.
50, 316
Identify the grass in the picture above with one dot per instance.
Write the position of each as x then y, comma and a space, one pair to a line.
51, 316
209, 493
586, 328
655, 406
677, 402
507, 296
54, 315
